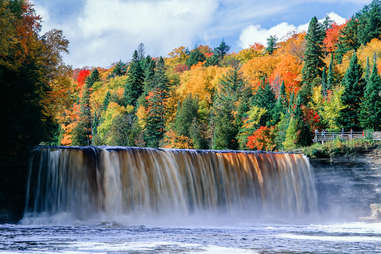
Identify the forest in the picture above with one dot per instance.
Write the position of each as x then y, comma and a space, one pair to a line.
267, 97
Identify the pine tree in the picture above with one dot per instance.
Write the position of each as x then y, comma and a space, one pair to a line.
94, 77
348, 39
280, 107
155, 126
224, 106
119, 70
353, 93
195, 57
370, 114
324, 82
212, 61
134, 85
331, 75
106, 101
271, 44
186, 113
265, 98
369, 22
82, 132
313, 55
367, 71
221, 50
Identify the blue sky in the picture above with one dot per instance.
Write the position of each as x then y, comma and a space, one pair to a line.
102, 32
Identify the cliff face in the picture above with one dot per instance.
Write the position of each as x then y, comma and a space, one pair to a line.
347, 186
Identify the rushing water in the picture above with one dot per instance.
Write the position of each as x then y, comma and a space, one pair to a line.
130, 200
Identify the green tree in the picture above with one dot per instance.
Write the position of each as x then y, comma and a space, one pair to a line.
93, 77
134, 85
265, 98
186, 113
370, 114
119, 70
324, 82
82, 132
195, 57
271, 44
331, 75
224, 108
156, 111
369, 19
221, 50
314, 53
353, 93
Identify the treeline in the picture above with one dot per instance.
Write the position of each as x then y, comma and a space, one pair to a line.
265, 98
29, 63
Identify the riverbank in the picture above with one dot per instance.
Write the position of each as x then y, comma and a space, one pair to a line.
339, 148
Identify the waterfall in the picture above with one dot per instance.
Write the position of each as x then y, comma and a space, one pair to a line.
120, 180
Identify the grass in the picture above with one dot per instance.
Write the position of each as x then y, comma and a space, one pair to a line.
340, 148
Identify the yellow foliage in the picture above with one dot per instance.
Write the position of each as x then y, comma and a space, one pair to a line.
200, 82
142, 116
99, 90
259, 67
172, 140
113, 111
328, 108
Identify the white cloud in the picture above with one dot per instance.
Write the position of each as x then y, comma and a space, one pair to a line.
255, 33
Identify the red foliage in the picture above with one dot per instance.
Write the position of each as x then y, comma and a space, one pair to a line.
257, 46
332, 36
262, 139
181, 68
82, 75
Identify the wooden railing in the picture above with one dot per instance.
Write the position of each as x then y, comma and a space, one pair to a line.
324, 136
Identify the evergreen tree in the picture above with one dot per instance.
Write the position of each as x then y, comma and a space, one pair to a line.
370, 114
82, 132
324, 82
369, 20
212, 61
271, 44
106, 101
331, 76
221, 50
94, 77
348, 39
156, 110
313, 55
119, 70
134, 85
186, 113
195, 57
353, 93
280, 107
224, 106
265, 98
367, 71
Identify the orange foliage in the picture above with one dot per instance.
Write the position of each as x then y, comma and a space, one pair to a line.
332, 36
259, 67
288, 70
262, 139
172, 140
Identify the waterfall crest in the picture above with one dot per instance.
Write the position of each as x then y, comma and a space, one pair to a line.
117, 180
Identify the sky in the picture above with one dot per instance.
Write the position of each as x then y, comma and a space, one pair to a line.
102, 32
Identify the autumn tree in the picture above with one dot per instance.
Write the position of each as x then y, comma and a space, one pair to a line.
195, 57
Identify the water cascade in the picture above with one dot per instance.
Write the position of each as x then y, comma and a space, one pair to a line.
119, 180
